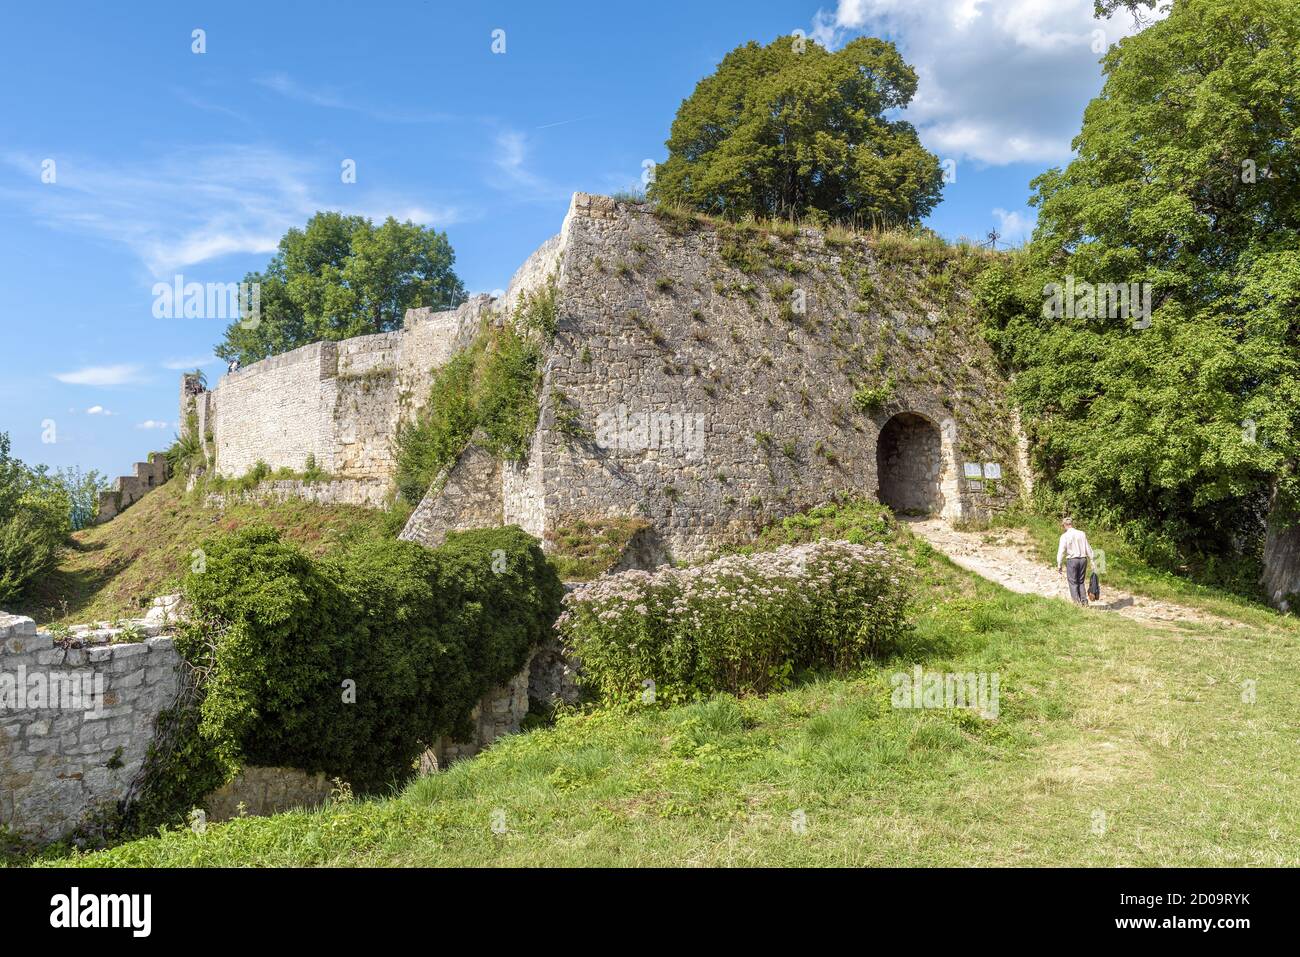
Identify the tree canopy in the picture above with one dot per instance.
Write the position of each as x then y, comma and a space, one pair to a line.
1185, 179
792, 130
343, 276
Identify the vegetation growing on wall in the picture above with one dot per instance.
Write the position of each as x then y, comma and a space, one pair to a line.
491, 386
587, 548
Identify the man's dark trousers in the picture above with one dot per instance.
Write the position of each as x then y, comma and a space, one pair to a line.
1075, 568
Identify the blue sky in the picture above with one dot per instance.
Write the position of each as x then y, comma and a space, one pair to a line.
170, 162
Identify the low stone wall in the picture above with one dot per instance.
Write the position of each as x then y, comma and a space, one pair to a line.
76, 719
129, 489
259, 792
500, 712
367, 493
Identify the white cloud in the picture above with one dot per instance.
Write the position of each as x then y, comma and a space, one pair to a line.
101, 375
510, 158
151, 424
177, 365
1000, 81
1015, 227
98, 410
191, 206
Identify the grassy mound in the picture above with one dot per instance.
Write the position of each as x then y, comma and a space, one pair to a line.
1115, 744
112, 570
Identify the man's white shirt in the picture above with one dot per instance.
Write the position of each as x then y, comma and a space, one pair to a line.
1074, 544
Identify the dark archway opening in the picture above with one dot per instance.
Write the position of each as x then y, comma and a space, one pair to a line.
909, 462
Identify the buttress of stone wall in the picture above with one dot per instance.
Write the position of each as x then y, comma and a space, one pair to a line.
465, 495
711, 400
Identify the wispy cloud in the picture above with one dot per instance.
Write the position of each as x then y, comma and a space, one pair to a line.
177, 365
195, 205
577, 119
999, 81
1015, 227
198, 103
513, 172
101, 375
330, 99
151, 424
98, 410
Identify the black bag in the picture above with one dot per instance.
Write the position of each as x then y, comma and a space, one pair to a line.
1094, 588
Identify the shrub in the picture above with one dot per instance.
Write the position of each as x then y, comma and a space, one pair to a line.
83, 490
493, 386
35, 518
874, 398
420, 635
743, 624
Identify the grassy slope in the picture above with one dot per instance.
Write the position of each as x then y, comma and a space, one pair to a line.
1098, 713
109, 570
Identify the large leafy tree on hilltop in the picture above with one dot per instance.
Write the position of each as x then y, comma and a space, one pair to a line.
791, 130
343, 276
1186, 177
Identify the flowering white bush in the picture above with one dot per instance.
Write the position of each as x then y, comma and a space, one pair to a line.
743, 623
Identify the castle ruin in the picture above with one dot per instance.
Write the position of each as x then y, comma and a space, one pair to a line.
704, 378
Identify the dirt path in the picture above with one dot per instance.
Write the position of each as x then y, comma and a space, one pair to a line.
1005, 556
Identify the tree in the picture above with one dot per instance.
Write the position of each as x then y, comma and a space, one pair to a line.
1184, 430
342, 276
83, 490
34, 523
1139, 9
791, 130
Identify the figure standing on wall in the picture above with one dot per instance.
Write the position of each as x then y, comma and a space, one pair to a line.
233, 366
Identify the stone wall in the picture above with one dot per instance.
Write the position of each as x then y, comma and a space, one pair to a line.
259, 792
128, 489
338, 404
67, 756
76, 719
368, 493
498, 713
707, 380
467, 494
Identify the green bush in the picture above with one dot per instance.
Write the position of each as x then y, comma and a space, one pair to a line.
743, 624
420, 635
874, 398
35, 519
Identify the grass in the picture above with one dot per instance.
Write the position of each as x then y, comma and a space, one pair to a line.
113, 570
1101, 720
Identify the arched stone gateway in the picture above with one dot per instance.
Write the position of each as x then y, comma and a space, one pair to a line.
909, 464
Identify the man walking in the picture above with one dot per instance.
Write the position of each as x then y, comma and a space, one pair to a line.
1076, 552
